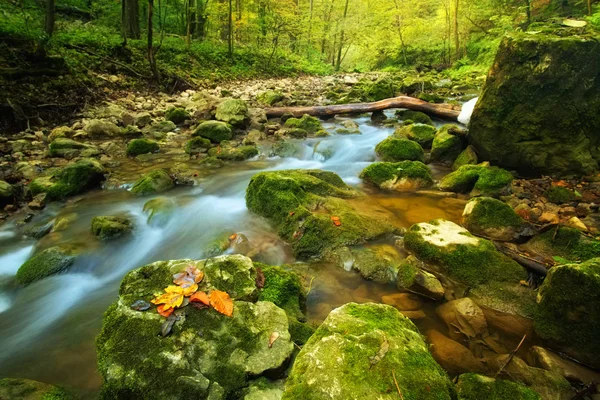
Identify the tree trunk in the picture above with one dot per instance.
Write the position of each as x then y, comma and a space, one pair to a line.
123, 18
445, 111
151, 54
589, 4
528, 11
456, 36
131, 19
339, 54
230, 33
50, 17
399, 27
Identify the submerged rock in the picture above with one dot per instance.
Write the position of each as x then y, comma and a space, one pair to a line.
393, 150
404, 175
73, 179
355, 352
476, 387
215, 131
479, 180
26, 389
420, 133
45, 263
464, 317
493, 219
108, 228
571, 370
453, 356
159, 210
157, 181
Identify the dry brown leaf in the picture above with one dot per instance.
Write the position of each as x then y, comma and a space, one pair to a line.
221, 302
200, 297
273, 338
260, 278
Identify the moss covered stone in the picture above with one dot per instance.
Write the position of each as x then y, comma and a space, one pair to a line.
215, 131
7, 193
301, 204
416, 116
476, 387
159, 210
538, 112
97, 128
157, 181
393, 149
564, 242
26, 389
353, 353
398, 176
197, 145
379, 263
239, 153
284, 149
307, 123
467, 157
480, 180
108, 228
45, 263
68, 148
492, 218
233, 112
447, 145
569, 310
207, 355
141, 146
177, 115
270, 97
420, 133
559, 195
73, 179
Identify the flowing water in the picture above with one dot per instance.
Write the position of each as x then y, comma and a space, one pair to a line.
47, 329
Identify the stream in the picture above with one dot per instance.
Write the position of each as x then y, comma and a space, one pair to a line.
47, 329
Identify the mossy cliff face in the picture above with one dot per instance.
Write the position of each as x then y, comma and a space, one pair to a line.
353, 353
569, 310
539, 109
302, 204
207, 355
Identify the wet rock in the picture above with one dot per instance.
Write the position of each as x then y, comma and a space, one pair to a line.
467, 157
572, 371
215, 131
60, 132
493, 219
159, 210
67, 148
45, 263
352, 353
108, 228
378, 117
509, 324
141, 146
416, 116
270, 97
463, 316
311, 125
100, 129
453, 356
38, 202
475, 387
263, 389
284, 149
420, 133
73, 179
404, 175
576, 223
479, 180
26, 389
239, 153
393, 150
447, 144
569, 310
143, 119
377, 262
233, 112
157, 181
7, 193
412, 276
39, 230
564, 242
403, 301
177, 115
197, 145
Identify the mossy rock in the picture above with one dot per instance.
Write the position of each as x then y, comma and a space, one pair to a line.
207, 355
215, 131
446, 146
467, 157
239, 153
26, 389
383, 88
559, 195
302, 203
68, 148
414, 84
479, 180
7, 193
393, 150
379, 263
109, 227
463, 257
233, 112
197, 145
177, 115
420, 133
569, 310
492, 218
416, 116
307, 123
159, 210
45, 263
157, 181
270, 97
73, 179
404, 175
141, 146
567, 243
352, 354
101, 128
476, 387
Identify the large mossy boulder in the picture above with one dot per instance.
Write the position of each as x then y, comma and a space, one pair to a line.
477, 387
447, 144
404, 175
73, 179
197, 145
68, 148
26, 389
359, 352
493, 219
157, 181
479, 180
45, 263
420, 133
538, 112
110, 227
207, 355
233, 112
311, 210
567, 243
215, 131
394, 149
569, 310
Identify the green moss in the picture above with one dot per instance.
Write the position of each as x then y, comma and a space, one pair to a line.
73, 179
476, 387
240, 153
270, 97
233, 112
177, 115
420, 133
7, 193
415, 116
387, 174
559, 195
63, 147
488, 212
447, 145
393, 150
407, 273
25, 389
477, 179
215, 131
467, 157
307, 123
196, 145
156, 181
141, 146
568, 243
45, 263
107, 228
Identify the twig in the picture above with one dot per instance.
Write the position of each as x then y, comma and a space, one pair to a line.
511, 355
397, 387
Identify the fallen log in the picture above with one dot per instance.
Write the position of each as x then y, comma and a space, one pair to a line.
445, 111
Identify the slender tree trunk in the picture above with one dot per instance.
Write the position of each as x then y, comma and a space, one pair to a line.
50, 17
456, 35
151, 54
188, 22
310, 18
123, 22
230, 36
327, 27
399, 27
130, 18
339, 54
589, 4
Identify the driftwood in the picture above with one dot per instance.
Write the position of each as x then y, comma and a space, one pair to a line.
525, 261
445, 111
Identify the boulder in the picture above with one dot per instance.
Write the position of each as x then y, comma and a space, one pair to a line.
403, 175
26, 389
564, 242
215, 131
197, 145
310, 210
447, 144
157, 181
73, 179
108, 228
101, 128
270, 97
359, 352
415, 116
141, 146
453, 356
45, 263
310, 125
569, 310
207, 355
177, 115
467, 157
233, 112
142, 119
476, 387
538, 110
393, 150
420, 133
68, 148
492, 219
479, 180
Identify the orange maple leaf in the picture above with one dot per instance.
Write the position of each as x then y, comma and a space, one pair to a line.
200, 297
165, 313
221, 302
172, 298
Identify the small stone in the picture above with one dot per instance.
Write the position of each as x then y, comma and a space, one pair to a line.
549, 218
38, 202
453, 356
403, 301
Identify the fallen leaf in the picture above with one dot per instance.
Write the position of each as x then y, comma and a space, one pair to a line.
189, 290
233, 237
221, 302
189, 277
172, 298
273, 338
561, 183
260, 278
167, 326
140, 305
200, 297
336, 221
165, 313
